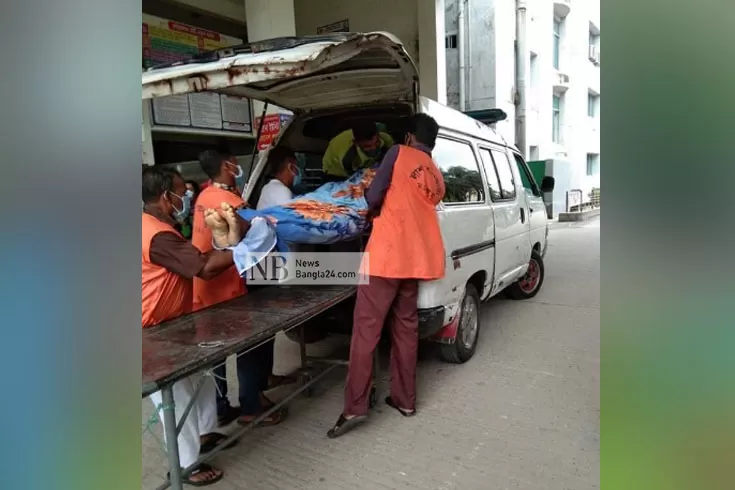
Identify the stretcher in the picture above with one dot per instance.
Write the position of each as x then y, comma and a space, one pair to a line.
201, 341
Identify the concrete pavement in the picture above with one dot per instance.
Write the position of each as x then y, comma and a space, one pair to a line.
523, 413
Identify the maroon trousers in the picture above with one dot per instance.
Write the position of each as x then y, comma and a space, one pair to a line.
394, 300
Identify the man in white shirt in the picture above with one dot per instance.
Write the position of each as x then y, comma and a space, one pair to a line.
286, 175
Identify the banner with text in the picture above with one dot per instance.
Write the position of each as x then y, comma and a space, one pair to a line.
166, 41
272, 124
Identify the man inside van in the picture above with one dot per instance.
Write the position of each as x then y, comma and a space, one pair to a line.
286, 176
405, 247
361, 146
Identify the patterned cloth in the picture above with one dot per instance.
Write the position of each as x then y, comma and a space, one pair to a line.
334, 212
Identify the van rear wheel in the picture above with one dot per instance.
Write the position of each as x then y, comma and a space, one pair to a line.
468, 329
529, 285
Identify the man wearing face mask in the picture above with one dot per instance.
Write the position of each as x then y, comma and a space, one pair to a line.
226, 176
361, 146
286, 177
227, 182
169, 263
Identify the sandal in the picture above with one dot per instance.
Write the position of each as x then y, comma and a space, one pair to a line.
274, 418
201, 470
406, 413
345, 425
214, 439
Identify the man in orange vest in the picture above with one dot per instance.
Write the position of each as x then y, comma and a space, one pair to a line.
169, 264
254, 368
405, 247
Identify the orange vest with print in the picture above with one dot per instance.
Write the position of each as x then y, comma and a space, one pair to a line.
406, 242
165, 295
229, 284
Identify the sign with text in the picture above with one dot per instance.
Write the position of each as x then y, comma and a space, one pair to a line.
272, 124
308, 268
205, 110
339, 26
166, 41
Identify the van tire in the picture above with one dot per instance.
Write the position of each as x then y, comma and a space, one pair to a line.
461, 350
522, 288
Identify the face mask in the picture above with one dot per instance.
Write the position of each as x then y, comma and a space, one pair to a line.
181, 214
372, 153
239, 177
296, 178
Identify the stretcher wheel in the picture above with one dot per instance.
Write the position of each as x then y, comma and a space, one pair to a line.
373, 400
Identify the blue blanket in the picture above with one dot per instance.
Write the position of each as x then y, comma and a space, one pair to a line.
334, 212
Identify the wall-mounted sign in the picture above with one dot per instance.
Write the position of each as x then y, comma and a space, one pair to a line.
340, 26
205, 110
166, 41
272, 124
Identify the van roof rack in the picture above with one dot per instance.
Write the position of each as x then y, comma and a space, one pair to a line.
488, 116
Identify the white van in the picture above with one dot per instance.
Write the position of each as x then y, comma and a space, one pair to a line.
493, 218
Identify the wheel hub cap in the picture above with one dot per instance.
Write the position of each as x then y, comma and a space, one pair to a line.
531, 280
468, 322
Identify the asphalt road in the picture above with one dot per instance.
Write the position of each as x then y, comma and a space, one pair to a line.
523, 413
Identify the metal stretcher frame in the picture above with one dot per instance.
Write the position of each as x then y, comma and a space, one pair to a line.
172, 351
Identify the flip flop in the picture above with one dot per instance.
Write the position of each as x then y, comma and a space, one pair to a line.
274, 418
389, 401
214, 440
204, 467
345, 425
270, 404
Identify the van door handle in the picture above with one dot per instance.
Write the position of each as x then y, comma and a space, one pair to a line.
523, 215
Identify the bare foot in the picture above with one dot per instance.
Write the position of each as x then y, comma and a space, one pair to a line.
233, 222
220, 228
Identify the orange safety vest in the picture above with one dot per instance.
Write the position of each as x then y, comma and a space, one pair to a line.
229, 284
406, 242
166, 295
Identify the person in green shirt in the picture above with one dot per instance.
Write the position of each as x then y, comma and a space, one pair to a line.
361, 146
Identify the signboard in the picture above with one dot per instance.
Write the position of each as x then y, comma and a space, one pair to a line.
166, 41
340, 26
272, 124
205, 110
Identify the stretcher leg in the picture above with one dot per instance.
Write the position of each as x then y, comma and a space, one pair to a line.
172, 443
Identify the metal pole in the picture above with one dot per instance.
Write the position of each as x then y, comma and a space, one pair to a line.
172, 443
521, 60
193, 400
461, 34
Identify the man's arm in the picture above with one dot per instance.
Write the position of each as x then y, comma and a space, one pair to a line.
181, 257
375, 194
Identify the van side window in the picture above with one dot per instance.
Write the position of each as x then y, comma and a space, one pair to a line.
491, 174
505, 175
462, 179
526, 177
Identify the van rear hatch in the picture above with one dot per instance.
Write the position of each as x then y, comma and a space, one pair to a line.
300, 74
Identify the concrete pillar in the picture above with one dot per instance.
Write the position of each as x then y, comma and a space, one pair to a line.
432, 56
267, 19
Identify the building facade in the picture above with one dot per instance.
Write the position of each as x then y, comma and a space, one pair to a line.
562, 75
